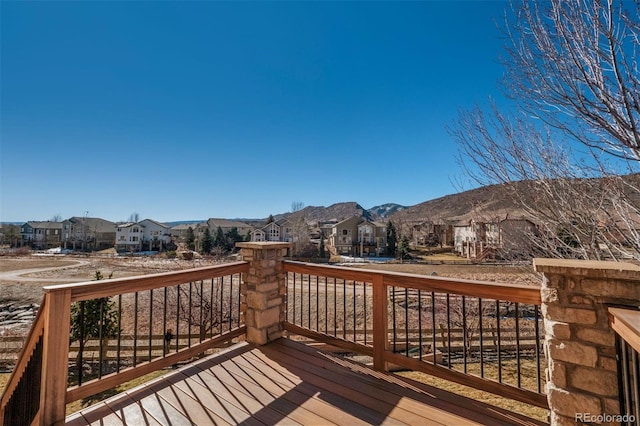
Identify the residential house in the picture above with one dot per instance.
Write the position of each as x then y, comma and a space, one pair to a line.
88, 233
179, 232
129, 237
475, 239
279, 230
155, 235
41, 235
431, 234
356, 236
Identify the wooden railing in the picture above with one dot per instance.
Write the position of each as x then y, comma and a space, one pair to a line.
480, 334
177, 305
626, 324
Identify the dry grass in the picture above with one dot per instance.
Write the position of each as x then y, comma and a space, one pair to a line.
509, 368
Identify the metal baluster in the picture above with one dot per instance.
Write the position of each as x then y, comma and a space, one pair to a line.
81, 343
420, 325
518, 367
178, 318
364, 308
537, 331
119, 344
449, 330
355, 338
135, 329
433, 326
406, 321
499, 341
393, 316
465, 335
189, 314
231, 303
165, 341
344, 309
481, 337
150, 324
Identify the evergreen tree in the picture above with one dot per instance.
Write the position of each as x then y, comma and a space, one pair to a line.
220, 241
392, 238
207, 242
93, 319
322, 253
232, 237
403, 248
191, 239
270, 219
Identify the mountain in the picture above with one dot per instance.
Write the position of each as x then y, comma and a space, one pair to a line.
487, 202
384, 211
338, 211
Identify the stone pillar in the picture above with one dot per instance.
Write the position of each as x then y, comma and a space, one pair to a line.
263, 290
579, 344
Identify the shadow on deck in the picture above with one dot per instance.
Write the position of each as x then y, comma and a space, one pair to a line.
287, 382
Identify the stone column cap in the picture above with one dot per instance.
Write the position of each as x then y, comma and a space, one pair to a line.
264, 245
588, 268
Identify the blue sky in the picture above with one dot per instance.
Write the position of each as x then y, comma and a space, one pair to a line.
191, 110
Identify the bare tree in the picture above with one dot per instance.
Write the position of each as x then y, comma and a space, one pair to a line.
572, 72
574, 65
134, 217
300, 229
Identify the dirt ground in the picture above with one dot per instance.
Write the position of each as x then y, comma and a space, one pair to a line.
22, 278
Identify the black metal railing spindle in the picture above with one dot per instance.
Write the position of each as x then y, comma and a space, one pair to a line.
80, 357
465, 335
518, 361
178, 308
420, 325
536, 311
449, 363
481, 336
406, 321
499, 341
135, 329
150, 324
119, 332
101, 338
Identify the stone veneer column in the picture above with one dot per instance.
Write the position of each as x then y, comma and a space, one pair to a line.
263, 290
579, 344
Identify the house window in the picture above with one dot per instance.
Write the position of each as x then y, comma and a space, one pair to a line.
345, 232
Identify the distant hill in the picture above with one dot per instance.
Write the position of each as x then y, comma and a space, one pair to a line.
488, 202
384, 211
338, 211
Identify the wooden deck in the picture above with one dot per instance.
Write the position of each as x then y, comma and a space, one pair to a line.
287, 383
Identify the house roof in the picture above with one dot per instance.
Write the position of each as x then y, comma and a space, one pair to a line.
162, 225
185, 226
94, 223
44, 224
226, 223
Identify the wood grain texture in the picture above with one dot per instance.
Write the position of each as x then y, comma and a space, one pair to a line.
113, 287
286, 382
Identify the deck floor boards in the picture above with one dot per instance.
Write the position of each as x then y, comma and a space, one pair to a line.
287, 383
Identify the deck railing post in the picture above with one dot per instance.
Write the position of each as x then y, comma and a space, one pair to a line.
55, 357
579, 343
380, 322
263, 290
